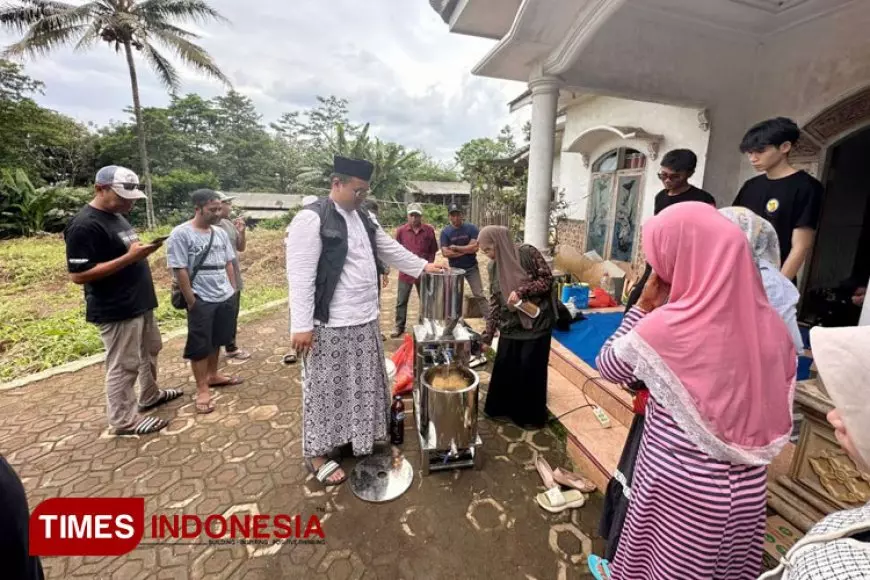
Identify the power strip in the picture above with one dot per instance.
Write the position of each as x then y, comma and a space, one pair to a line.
601, 416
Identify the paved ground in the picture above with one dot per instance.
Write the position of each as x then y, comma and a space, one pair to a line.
246, 457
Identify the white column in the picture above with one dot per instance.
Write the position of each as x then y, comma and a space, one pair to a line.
545, 98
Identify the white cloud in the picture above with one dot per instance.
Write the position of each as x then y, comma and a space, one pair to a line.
393, 59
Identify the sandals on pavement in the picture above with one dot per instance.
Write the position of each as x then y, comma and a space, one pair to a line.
165, 397
146, 426
555, 501
290, 358
239, 354
204, 408
545, 471
231, 382
325, 472
573, 480
599, 567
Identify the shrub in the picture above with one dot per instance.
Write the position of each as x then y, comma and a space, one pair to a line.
26, 210
280, 223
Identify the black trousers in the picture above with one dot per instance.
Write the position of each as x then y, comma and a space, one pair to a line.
403, 295
231, 347
14, 529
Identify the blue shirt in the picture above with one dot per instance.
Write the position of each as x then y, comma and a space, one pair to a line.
461, 236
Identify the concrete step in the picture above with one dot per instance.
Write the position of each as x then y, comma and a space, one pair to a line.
593, 449
613, 399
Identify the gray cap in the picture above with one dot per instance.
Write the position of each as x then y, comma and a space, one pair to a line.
226, 198
122, 181
415, 208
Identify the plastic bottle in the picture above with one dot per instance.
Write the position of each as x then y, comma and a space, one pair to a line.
397, 421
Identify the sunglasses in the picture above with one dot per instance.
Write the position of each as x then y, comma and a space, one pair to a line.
670, 176
128, 186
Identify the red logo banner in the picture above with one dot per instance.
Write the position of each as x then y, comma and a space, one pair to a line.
87, 526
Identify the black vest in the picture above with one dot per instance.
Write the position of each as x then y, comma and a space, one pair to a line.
333, 236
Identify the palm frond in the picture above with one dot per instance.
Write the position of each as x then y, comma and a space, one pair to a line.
20, 17
41, 43
162, 10
192, 55
166, 72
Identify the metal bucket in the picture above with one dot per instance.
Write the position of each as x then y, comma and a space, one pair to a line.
452, 415
441, 295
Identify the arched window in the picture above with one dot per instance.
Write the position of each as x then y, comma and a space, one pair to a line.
613, 213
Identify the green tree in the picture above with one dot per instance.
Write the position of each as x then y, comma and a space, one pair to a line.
245, 151
128, 25
26, 210
425, 168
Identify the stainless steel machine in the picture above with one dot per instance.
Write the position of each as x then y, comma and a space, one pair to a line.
446, 418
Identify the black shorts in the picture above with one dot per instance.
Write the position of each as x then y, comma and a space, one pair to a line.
210, 325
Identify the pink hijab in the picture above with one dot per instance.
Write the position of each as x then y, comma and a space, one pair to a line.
717, 355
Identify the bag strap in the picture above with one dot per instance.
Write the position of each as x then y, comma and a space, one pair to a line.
198, 265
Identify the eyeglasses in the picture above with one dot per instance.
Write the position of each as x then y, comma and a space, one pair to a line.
128, 186
670, 176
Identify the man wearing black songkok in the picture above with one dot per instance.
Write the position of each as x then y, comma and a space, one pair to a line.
333, 251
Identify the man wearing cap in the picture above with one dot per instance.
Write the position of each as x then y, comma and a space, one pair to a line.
210, 293
236, 231
333, 250
459, 246
419, 239
105, 256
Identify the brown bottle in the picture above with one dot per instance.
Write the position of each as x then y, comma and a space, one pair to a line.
397, 421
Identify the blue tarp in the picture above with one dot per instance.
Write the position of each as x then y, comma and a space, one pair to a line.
586, 337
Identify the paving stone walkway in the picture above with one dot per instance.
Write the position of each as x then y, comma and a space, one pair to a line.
247, 458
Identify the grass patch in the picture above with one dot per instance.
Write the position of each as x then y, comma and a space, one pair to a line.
42, 318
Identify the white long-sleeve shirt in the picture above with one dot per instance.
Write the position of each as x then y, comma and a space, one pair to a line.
355, 301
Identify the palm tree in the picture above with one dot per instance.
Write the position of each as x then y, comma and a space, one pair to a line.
126, 25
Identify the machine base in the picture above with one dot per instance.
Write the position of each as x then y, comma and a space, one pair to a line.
443, 459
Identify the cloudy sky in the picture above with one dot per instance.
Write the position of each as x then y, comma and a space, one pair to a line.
393, 59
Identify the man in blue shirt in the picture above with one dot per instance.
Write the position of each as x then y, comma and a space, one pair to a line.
459, 246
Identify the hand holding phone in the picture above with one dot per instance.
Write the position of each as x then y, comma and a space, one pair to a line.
158, 241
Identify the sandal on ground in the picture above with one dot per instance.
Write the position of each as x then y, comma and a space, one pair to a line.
165, 397
290, 358
545, 471
556, 501
146, 426
325, 472
239, 354
573, 480
231, 382
204, 408
599, 567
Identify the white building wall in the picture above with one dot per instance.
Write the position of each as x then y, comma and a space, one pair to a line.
679, 126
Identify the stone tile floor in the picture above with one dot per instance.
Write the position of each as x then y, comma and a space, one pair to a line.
246, 458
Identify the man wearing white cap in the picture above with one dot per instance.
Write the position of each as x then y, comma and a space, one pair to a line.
105, 256
419, 239
237, 232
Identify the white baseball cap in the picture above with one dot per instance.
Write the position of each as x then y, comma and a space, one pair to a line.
122, 181
225, 198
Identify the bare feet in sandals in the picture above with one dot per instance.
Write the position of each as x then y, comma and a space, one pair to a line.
222, 381
327, 471
204, 406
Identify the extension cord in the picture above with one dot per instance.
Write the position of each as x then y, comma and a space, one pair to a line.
602, 417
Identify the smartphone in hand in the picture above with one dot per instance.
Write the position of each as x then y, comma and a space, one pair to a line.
158, 241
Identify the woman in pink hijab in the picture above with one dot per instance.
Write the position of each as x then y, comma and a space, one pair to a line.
720, 367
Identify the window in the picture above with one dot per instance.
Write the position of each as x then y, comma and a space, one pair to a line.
613, 214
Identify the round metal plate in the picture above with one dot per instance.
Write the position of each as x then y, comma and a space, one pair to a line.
381, 478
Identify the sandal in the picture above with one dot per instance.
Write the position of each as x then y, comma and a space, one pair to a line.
290, 358
231, 382
599, 567
325, 472
239, 354
573, 480
204, 408
165, 397
545, 471
146, 426
555, 501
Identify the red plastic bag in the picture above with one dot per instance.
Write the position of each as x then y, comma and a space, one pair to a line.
601, 299
403, 358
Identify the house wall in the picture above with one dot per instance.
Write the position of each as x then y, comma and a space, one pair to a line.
678, 125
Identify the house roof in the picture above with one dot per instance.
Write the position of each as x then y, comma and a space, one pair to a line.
440, 187
264, 201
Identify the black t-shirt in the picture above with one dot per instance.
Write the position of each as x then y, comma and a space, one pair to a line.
95, 237
663, 200
789, 203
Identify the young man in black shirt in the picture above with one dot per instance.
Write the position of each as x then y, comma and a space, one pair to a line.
105, 255
678, 166
789, 199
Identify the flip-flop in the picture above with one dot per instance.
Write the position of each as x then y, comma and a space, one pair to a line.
165, 397
230, 383
573, 480
289, 359
204, 408
555, 501
325, 472
599, 567
146, 426
239, 354
545, 471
